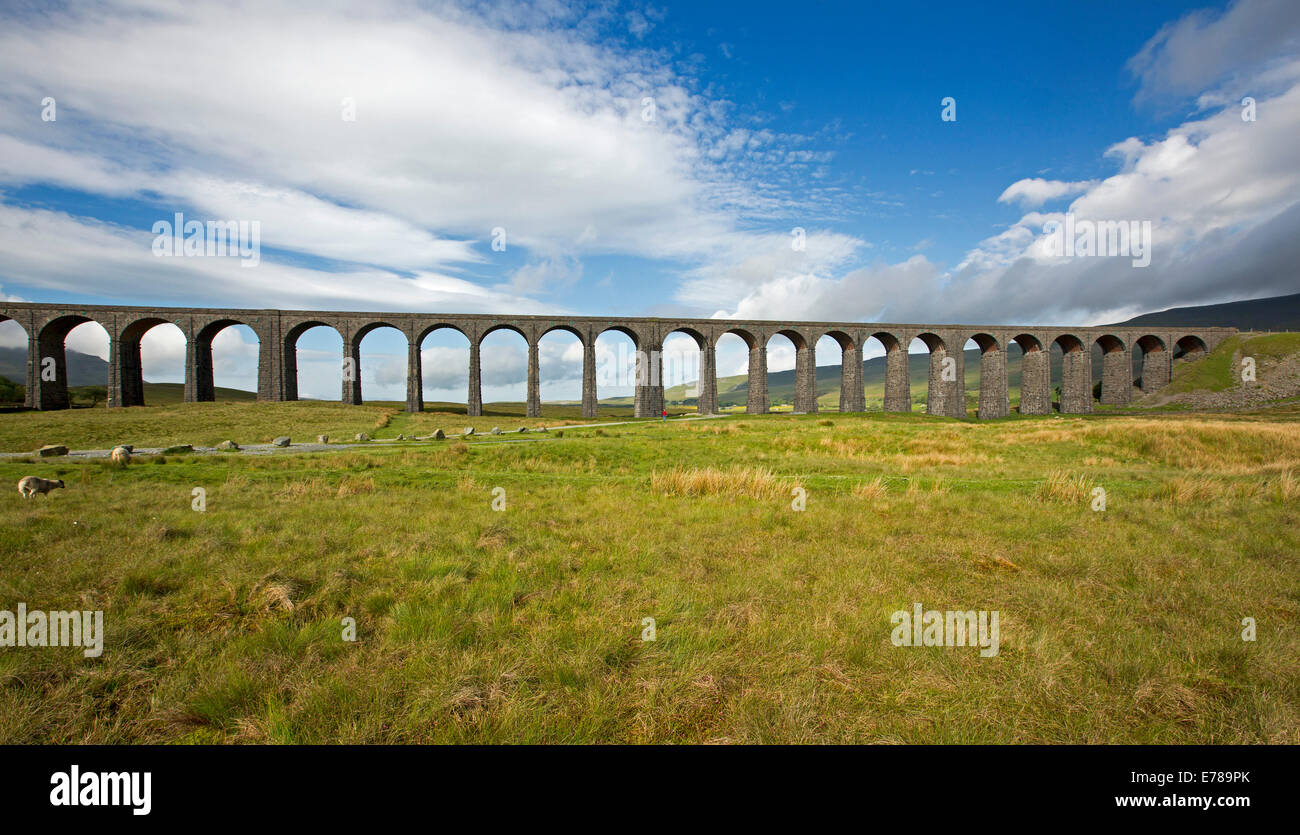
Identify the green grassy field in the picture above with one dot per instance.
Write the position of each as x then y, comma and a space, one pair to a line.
773, 625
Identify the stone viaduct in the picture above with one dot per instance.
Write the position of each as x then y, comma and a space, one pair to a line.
47, 326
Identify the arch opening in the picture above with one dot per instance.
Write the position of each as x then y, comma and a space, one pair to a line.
560, 369
444, 369
151, 354
314, 367
503, 366
788, 376
1111, 355
378, 366
616, 370
1190, 347
684, 371
1031, 381
1153, 364
13, 336
994, 390
1074, 395
72, 368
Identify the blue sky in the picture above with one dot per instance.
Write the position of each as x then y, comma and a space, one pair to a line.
532, 119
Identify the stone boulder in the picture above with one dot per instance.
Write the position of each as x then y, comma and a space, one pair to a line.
178, 449
228, 445
281, 441
438, 435
469, 430
496, 430
362, 436
51, 450
322, 439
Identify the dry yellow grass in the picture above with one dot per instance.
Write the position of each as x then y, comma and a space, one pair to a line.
874, 489
1063, 487
754, 482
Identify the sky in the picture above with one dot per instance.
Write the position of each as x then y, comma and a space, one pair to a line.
821, 161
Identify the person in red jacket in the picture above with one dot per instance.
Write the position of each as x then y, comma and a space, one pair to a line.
665, 415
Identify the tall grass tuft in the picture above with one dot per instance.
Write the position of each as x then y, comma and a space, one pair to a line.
1063, 487
871, 490
754, 482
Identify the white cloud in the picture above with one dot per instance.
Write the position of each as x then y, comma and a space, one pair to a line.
1036, 191
1201, 49
465, 121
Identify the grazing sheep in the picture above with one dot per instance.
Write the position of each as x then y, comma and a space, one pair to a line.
27, 485
121, 455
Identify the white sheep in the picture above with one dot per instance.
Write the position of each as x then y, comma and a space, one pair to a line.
28, 485
121, 455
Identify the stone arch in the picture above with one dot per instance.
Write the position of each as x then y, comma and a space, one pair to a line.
1035, 375
852, 398
755, 368
1076, 374
898, 371
26, 380
51, 367
681, 367
439, 358
555, 364
126, 365
289, 354
1189, 346
501, 326
805, 369
353, 373
994, 399
1116, 370
614, 364
944, 387
503, 366
200, 375
1156, 364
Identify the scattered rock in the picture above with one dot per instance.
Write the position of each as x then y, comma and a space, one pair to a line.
438, 435
541, 429
496, 430
322, 439
178, 449
469, 430
401, 437
51, 450
283, 440
228, 445
362, 436
523, 429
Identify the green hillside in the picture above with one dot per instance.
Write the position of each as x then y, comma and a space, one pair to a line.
155, 394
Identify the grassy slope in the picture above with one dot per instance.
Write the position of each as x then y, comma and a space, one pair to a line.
1219, 370
772, 625
207, 424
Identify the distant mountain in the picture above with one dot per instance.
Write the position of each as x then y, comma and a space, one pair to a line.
90, 370
1280, 313
83, 369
